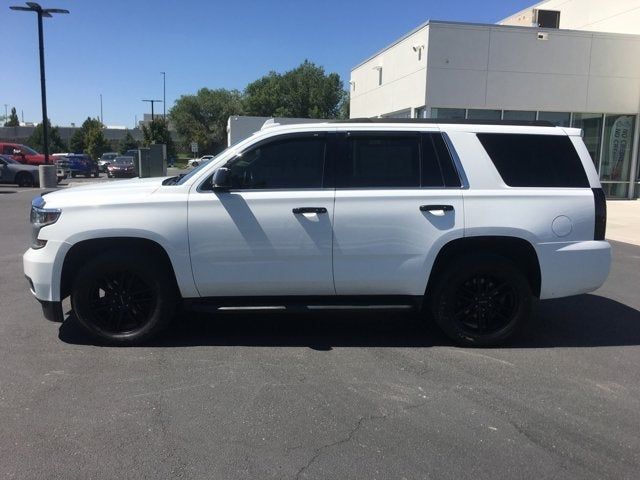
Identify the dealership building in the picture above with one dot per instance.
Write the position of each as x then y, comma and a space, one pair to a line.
571, 62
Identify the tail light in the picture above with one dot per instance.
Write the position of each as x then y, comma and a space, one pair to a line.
601, 214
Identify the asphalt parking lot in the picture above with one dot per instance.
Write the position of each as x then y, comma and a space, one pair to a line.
335, 396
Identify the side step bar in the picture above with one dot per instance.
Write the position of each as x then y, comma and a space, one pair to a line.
304, 304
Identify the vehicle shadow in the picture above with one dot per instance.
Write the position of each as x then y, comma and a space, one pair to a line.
581, 321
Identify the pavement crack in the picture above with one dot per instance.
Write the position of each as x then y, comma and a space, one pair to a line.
361, 421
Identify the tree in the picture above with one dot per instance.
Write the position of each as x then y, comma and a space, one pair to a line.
76, 144
12, 121
304, 92
203, 118
127, 143
345, 106
79, 142
36, 139
95, 143
158, 132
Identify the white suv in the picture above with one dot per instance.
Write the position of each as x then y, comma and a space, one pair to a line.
464, 222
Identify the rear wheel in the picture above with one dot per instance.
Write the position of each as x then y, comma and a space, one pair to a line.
123, 298
25, 179
481, 300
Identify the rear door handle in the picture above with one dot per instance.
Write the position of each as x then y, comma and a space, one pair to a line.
434, 208
309, 210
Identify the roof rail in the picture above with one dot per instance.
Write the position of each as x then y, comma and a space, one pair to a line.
522, 123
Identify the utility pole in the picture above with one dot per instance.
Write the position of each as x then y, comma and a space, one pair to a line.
164, 95
152, 102
34, 7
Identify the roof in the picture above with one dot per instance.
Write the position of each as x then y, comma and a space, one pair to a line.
488, 25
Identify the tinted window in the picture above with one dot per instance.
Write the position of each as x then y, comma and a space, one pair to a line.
380, 161
535, 160
449, 173
288, 163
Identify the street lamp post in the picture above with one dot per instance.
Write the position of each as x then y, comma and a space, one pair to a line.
152, 102
101, 118
164, 95
42, 12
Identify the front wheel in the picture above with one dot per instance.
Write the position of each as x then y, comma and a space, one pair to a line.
25, 179
481, 300
123, 298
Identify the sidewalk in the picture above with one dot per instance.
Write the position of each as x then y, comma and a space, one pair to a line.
623, 221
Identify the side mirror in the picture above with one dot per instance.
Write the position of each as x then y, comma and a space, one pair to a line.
221, 179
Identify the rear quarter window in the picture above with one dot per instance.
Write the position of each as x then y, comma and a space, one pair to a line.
525, 160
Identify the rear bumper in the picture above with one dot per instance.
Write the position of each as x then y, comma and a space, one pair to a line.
573, 268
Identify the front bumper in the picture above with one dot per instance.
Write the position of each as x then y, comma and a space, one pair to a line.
573, 268
43, 269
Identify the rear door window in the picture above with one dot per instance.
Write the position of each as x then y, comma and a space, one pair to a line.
526, 160
380, 161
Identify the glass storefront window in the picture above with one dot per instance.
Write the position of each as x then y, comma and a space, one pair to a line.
519, 115
559, 119
617, 147
477, 114
420, 112
615, 190
591, 125
452, 113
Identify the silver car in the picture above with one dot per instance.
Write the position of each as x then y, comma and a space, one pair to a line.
12, 171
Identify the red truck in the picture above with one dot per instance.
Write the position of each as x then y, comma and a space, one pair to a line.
22, 153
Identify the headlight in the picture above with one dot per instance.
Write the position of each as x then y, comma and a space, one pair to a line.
41, 217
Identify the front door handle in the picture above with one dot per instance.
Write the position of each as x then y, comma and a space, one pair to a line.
435, 208
309, 210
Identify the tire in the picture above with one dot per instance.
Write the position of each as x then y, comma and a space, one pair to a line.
195, 164
123, 297
481, 300
73, 174
24, 179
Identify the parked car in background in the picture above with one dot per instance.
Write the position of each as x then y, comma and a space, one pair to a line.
131, 153
63, 171
12, 171
82, 164
122, 167
21, 153
105, 160
195, 162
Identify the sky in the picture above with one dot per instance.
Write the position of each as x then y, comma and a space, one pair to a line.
118, 48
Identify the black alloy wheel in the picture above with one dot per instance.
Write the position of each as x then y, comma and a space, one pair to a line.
484, 304
121, 302
481, 300
123, 297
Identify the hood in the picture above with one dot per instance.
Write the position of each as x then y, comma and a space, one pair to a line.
103, 193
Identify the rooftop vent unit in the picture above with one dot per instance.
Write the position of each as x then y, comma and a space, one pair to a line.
546, 18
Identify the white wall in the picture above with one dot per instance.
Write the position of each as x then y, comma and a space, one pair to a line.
403, 79
619, 16
496, 67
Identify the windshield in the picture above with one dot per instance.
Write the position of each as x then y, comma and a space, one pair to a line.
199, 167
9, 160
123, 161
27, 151
108, 156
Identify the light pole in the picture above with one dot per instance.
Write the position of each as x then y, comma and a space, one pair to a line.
42, 12
6, 114
101, 118
164, 95
152, 102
